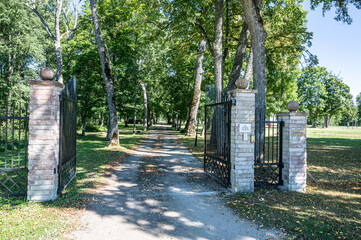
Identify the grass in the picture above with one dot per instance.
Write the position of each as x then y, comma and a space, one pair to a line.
20, 219
330, 209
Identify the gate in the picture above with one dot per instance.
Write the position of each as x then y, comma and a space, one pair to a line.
67, 156
217, 141
268, 163
13, 151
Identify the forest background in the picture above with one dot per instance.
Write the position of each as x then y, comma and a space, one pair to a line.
161, 57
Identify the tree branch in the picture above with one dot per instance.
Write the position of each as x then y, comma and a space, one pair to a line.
209, 43
42, 20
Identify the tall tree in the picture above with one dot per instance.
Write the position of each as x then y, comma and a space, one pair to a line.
312, 92
253, 18
57, 37
113, 131
192, 116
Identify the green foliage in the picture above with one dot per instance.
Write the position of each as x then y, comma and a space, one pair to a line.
323, 94
341, 8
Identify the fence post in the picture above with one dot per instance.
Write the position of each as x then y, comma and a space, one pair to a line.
44, 120
242, 141
294, 155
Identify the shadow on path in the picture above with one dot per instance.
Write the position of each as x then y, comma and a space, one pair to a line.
161, 192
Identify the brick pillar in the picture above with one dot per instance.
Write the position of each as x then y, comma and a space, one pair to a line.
44, 120
294, 155
242, 141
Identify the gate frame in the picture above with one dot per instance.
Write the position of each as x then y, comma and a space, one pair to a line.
69, 94
279, 149
226, 181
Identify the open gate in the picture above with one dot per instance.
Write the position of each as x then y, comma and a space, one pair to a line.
67, 156
268, 154
217, 145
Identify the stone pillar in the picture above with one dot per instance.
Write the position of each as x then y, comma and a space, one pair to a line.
294, 155
43, 151
242, 141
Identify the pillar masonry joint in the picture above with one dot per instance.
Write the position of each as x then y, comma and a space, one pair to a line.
294, 155
44, 136
242, 141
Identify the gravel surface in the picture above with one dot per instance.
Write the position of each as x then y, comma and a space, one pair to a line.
161, 192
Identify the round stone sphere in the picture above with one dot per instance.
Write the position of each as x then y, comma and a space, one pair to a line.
241, 83
292, 106
47, 74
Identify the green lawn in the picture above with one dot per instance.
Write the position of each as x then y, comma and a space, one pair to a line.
330, 209
20, 219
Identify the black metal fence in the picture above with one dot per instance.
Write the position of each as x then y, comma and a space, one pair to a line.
13, 150
68, 111
268, 162
217, 150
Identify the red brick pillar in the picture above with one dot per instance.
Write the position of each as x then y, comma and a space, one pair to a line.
44, 121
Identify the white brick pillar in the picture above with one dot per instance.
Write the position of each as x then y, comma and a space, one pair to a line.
242, 141
44, 121
294, 155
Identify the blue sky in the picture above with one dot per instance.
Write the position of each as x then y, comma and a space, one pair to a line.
337, 45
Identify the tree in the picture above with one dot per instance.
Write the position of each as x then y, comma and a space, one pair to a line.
192, 117
341, 8
21, 48
113, 131
253, 18
57, 37
358, 104
337, 99
312, 92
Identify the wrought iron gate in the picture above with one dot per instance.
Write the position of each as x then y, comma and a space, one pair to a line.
217, 154
13, 151
67, 156
268, 163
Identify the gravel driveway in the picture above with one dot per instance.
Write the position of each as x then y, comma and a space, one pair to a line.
161, 192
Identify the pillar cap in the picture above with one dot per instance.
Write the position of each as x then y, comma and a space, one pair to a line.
46, 83
292, 114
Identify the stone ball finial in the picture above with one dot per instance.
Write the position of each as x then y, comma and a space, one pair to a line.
242, 83
292, 106
47, 74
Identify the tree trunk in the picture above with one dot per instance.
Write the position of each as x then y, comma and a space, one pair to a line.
145, 106
254, 21
135, 111
249, 68
239, 57
314, 123
218, 74
218, 50
57, 45
113, 131
126, 121
83, 119
327, 120
192, 117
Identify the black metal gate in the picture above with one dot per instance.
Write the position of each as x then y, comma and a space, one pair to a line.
67, 156
217, 141
13, 151
268, 155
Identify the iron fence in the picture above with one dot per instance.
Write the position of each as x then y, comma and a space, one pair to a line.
14, 122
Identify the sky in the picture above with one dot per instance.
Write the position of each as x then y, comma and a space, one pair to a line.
337, 45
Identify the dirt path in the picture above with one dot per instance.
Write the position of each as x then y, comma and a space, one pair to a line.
160, 192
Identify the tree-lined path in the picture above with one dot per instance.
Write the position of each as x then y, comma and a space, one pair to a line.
161, 192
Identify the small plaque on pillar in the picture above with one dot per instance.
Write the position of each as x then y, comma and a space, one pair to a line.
244, 128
